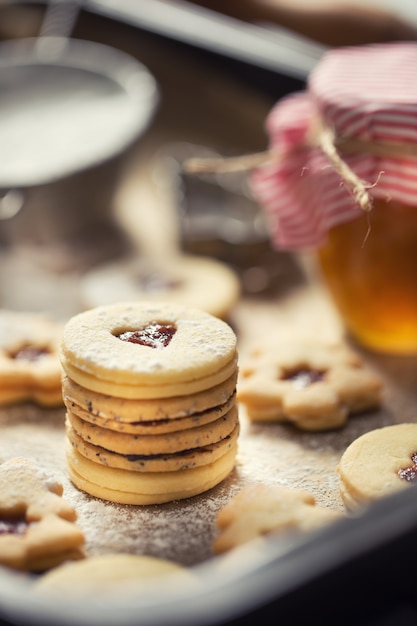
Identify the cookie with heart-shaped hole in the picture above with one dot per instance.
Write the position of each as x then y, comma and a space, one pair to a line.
140, 350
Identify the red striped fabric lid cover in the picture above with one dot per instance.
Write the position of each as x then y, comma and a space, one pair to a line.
364, 92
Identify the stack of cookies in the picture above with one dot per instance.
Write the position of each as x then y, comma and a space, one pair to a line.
150, 393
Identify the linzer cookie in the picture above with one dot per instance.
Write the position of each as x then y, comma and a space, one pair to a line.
30, 369
192, 280
314, 385
150, 393
38, 528
144, 350
378, 463
114, 574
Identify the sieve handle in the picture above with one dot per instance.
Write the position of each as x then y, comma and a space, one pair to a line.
57, 25
59, 18
11, 202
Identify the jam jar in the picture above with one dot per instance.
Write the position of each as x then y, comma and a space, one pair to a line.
374, 284
341, 181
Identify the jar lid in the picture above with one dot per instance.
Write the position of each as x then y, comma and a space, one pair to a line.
366, 81
365, 97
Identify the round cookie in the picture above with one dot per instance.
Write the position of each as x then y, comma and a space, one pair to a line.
126, 487
167, 443
378, 463
187, 350
154, 463
30, 368
109, 573
125, 411
156, 427
131, 391
195, 281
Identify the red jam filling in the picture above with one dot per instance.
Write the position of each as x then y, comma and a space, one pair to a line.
13, 526
29, 353
303, 377
409, 473
154, 335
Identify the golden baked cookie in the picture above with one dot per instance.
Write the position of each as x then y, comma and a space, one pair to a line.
378, 463
112, 574
30, 368
155, 427
259, 509
196, 281
150, 393
166, 443
141, 488
183, 460
314, 385
145, 350
160, 413
37, 526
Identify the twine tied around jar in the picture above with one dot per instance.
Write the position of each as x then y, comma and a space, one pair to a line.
334, 147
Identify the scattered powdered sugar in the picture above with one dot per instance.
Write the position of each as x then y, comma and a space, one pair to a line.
183, 530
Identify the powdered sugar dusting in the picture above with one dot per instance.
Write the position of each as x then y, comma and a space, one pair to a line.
271, 453
184, 530
91, 344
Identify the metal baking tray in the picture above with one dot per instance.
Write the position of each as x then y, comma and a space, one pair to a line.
359, 571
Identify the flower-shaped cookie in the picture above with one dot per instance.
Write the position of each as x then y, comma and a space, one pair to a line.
259, 509
314, 385
30, 369
37, 526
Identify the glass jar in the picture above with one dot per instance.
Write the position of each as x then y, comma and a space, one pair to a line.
341, 181
372, 276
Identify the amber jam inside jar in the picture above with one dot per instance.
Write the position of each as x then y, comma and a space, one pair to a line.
373, 279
